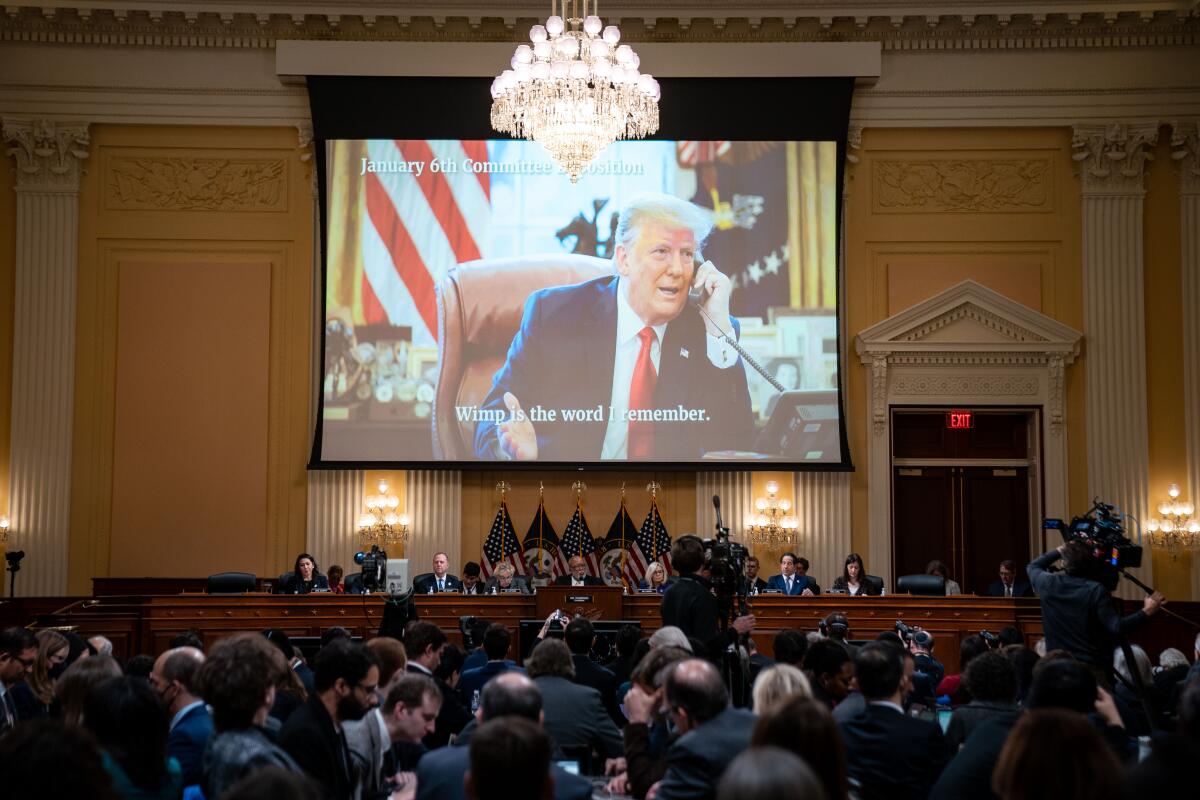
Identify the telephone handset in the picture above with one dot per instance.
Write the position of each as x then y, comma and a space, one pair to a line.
697, 294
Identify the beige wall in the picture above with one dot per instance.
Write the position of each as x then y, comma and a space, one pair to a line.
929, 208
193, 346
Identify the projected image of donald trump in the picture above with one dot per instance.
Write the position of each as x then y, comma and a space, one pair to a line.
624, 366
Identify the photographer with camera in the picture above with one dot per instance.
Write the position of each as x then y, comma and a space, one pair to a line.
927, 670
691, 605
1077, 610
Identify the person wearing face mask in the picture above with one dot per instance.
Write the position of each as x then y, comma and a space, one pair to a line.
303, 579
174, 679
33, 697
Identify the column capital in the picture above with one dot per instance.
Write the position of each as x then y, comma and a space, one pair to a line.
1185, 151
1112, 158
49, 154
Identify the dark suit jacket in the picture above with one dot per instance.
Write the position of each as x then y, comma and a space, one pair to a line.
696, 760
1020, 589
309, 737
589, 673
969, 773
759, 585
476, 589
891, 755
187, 740
562, 358
473, 680
588, 580
799, 584
426, 582
872, 586
440, 777
452, 717
290, 583
576, 717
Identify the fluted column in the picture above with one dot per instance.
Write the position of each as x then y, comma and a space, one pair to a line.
334, 501
435, 506
822, 509
737, 501
49, 159
1185, 150
1112, 161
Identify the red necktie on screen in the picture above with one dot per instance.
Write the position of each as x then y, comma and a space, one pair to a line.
641, 396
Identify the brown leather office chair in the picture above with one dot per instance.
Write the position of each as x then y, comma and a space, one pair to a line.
479, 312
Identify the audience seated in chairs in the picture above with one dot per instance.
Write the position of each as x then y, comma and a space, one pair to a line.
580, 636
770, 772
407, 713
991, 681
575, 716
496, 644
175, 679
508, 697
805, 727
830, 670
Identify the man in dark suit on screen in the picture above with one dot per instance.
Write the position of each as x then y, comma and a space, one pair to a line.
639, 369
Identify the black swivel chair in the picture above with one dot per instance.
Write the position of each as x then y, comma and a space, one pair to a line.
932, 585
231, 583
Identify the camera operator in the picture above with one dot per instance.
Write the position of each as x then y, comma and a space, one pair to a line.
690, 604
1077, 612
928, 671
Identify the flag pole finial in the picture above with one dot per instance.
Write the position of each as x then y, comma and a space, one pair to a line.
502, 489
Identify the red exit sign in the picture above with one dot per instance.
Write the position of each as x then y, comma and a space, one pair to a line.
960, 420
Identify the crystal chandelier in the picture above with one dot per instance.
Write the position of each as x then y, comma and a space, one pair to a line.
1174, 530
575, 90
379, 523
773, 526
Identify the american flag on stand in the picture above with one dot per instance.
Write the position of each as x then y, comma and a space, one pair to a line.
542, 547
652, 542
577, 541
417, 227
502, 545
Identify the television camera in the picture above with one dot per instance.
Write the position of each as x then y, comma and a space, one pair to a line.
1100, 529
374, 568
725, 560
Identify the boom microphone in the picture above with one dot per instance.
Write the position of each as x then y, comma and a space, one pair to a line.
717, 505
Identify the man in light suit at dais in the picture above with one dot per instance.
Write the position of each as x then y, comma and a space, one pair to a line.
642, 365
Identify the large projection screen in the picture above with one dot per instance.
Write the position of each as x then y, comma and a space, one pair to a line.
480, 307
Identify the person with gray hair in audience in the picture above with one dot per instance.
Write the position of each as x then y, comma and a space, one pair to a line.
670, 636
508, 696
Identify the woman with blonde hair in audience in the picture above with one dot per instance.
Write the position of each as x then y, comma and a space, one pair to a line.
776, 685
33, 697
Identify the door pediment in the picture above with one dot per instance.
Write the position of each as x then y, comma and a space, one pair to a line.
969, 318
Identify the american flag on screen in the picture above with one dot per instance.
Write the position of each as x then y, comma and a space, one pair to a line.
417, 227
542, 547
502, 545
577, 541
653, 543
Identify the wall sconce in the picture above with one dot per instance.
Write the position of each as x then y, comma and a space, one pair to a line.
1174, 530
773, 525
4, 525
379, 523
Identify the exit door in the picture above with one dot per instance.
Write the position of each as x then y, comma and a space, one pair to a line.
961, 496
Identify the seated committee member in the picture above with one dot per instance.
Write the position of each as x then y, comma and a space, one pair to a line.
791, 580
855, 580
754, 584
304, 578
439, 580
578, 576
1008, 585
471, 584
655, 580
625, 343
938, 568
506, 580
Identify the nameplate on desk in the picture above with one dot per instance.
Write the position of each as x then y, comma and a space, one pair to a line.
510, 591
580, 598
771, 591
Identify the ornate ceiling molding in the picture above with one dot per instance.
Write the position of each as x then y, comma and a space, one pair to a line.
931, 26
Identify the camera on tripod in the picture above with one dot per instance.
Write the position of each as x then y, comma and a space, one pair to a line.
911, 634
374, 568
1101, 531
725, 560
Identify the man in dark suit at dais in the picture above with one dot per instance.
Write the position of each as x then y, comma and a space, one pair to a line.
643, 367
